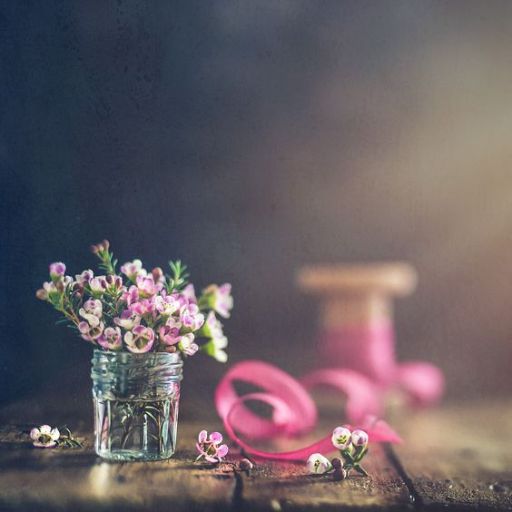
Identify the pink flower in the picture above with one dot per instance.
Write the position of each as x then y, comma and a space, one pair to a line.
57, 270
141, 308
90, 332
219, 298
44, 436
131, 295
166, 304
132, 269
186, 344
359, 438
84, 277
210, 448
140, 339
191, 317
147, 286
189, 293
111, 338
169, 333
128, 320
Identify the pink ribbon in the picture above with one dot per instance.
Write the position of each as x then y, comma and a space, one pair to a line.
369, 350
294, 411
367, 370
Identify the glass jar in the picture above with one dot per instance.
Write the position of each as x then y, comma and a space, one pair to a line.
136, 398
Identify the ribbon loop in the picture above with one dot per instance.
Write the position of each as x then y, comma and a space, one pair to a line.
294, 411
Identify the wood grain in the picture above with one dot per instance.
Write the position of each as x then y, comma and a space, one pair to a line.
459, 457
76, 479
287, 486
455, 458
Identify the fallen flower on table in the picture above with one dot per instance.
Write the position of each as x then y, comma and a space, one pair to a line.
318, 464
44, 436
48, 437
353, 446
210, 448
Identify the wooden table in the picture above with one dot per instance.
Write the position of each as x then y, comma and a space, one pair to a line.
457, 457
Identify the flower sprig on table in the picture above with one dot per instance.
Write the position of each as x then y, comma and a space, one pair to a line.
353, 446
210, 447
48, 437
140, 311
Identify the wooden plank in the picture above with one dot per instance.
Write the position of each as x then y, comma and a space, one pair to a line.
278, 486
459, 456
76, 479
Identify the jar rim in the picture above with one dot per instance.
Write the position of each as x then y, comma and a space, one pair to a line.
174, 357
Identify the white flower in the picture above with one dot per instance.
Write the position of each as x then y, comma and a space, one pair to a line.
44, 436
98, 284
92, 312
187, 345
317, 464
84, 277
212, 327
132, 269
51, 289
219, 345
127, 320
215, 348
341, 437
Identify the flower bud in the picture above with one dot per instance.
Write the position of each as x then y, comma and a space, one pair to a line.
341, 437
359, 438
114, 282
105, 244
57, 270
51, 290
157, 273
337, 463
42, 294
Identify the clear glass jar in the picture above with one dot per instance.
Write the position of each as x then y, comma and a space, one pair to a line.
136, 398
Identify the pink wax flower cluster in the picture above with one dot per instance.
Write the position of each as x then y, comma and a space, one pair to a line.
210, 447
140, 311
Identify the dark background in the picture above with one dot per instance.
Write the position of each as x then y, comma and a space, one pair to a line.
248, 138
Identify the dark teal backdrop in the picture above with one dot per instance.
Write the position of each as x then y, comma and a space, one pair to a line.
247, 138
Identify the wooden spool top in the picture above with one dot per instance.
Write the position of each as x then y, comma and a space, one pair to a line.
397, 278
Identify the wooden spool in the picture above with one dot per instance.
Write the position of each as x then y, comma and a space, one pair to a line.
356, 306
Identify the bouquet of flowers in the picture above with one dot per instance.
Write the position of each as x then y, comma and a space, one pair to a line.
140, 311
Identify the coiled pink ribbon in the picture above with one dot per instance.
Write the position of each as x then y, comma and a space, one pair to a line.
294, 411
367, 369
